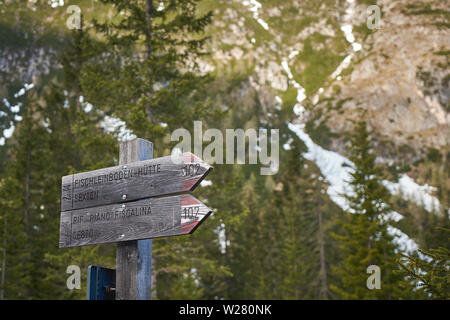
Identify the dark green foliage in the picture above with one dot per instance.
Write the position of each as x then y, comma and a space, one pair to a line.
434, 155
304, 212
54, 138
144, 69
270, 237
431, 276
364, 239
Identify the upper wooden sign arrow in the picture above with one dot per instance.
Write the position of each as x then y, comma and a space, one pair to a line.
133, 181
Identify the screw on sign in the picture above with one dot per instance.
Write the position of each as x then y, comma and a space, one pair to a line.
119, 204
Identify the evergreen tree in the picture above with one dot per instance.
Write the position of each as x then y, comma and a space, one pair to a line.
56, 137
253, 240
145, 72
305, 213
78, 143
431, 276
295, 256
364, 240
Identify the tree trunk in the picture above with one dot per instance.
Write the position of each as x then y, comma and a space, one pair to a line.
27, 196
148, 34
148, 38
323, 269
2, 291
27, 191
148, 44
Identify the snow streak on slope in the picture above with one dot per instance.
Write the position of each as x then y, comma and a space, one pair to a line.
410, 190
254, 7
347, 28
7, 133
336, 168
301, 93
337, 171
111, 124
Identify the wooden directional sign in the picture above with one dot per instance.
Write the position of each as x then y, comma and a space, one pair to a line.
143, 219
133, 181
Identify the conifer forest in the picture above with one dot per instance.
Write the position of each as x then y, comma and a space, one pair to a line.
341, 191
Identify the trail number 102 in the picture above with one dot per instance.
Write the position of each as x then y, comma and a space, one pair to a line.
191, 169
191, 212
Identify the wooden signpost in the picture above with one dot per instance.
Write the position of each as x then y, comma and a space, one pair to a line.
129, 203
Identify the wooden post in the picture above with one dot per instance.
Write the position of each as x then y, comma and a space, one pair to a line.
134, 258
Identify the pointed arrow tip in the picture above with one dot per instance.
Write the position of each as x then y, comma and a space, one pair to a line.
188, 200
200, 221
193, 158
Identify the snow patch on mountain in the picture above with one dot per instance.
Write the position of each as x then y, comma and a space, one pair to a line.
337, 171
410, 190
7, 133
347, 28
336, 168
254, 7
111, 124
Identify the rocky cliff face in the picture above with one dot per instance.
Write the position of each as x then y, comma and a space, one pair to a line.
400, 77
317, 65
398, 74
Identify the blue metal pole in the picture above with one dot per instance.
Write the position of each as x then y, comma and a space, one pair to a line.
144, 272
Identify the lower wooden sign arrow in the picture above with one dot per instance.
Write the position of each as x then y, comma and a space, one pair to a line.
143, 219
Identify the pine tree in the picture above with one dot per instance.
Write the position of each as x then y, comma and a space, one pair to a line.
305, 213
146, 71
25, 189
431, 276
252, 239
364, 240
77, 143
295, 256
56, 137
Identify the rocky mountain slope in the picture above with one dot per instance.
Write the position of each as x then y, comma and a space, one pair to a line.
397, 73
321, 66
313, 64
400, 76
